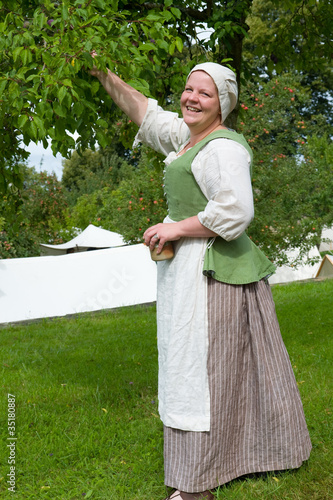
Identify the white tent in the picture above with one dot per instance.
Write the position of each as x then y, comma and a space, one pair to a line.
41, 287
91, 238
327, 234
326, 267
303, 271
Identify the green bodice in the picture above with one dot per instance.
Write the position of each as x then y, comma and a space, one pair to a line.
236, 262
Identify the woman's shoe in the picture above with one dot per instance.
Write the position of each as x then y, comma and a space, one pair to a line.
177, 495
174, 495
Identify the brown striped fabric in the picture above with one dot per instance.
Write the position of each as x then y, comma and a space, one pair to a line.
257, 419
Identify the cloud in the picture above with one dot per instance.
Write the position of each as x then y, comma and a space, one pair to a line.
43, 159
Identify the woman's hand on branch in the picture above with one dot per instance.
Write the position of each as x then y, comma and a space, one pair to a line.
94, 71
130, 101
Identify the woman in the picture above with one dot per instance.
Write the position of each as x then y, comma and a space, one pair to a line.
228, 398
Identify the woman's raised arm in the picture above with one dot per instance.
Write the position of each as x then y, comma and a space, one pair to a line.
129, 100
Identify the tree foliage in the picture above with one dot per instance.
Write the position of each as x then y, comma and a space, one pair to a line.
130, 206
293, 37
291, 181
45, 88
94, 170
291, 33
38, 213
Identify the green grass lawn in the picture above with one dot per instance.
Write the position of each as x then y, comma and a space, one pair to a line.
87, 423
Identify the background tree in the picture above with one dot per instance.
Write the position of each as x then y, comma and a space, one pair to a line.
130, 206
290, 181
93, 170
38, 213
291, 34
10, 220
293, 37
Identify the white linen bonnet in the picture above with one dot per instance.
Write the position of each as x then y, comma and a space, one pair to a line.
226, 83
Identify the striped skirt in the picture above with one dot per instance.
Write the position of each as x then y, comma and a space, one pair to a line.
257, 419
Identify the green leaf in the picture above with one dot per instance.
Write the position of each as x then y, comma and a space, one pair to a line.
40, 126
26, 56
176, 12
88, 46
48, 113
100, 4
33, 77
28, 38
172, 48
75, 94
39, 20
64, 12
102, 123
101, 139
32, 131
16, 52
89, 105
91, 20
162, 44
61, 93
13, 90
59, 110
3, 86
18, 104
153, 17
67, 82
94, 87
166, 15
179, 44
146, 47
78, 108
22, 119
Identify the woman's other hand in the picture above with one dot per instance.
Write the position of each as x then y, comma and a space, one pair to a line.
163, 232
160, 234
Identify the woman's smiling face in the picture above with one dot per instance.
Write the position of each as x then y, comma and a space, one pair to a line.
200, 103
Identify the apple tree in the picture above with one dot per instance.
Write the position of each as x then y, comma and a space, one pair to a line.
292, 168
46, 91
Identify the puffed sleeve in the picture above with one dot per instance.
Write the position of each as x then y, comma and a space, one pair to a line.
162, 130
222, 170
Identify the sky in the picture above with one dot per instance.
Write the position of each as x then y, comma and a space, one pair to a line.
43, 159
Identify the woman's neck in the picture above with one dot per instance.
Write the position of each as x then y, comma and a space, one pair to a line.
197, 137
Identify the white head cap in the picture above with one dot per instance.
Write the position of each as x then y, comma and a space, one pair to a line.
225, 81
